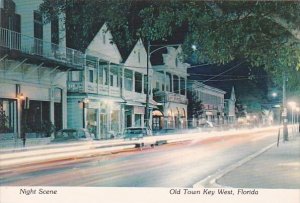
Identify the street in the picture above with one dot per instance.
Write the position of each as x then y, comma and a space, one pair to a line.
179, 164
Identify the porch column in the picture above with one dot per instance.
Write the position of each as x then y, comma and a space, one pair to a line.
143, 83
185, 90
172, 83
52, 105
19, 116
64, 107
97, 136
108, 78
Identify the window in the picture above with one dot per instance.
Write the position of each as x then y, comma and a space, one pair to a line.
137, 120
111, 80
75, 76
38, 24
91, 76
103, 38
100, 75
138, 82
176, 62
145, 84
7, 116
169, 82
176, 84
139, 56
157, 85
54, 31
128, 74
105, 75
182, 86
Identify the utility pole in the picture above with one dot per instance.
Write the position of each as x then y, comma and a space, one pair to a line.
147, 85
284, 113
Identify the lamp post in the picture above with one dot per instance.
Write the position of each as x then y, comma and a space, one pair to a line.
284, 110
159, 47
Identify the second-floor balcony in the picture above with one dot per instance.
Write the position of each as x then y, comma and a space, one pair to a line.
163, 97
14, 41
94, 88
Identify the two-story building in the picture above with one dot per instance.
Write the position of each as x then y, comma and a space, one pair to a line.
95, 98
169, 90
135, 87
33, 70
212, 100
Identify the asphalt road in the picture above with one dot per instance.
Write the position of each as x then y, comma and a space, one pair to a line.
172, 165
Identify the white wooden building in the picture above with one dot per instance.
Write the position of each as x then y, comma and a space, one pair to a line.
33, 70
169, 87
135, 87
95, 97
212, 100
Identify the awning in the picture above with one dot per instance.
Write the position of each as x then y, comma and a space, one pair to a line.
157, 113
105, 97
133, 103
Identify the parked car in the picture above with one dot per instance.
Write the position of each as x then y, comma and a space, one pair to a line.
73, 134
136, 133
206, 127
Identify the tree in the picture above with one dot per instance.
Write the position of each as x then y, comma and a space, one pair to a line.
195, 106
265, 34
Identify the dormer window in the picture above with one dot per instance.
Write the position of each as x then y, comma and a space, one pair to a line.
139, 57
104, 38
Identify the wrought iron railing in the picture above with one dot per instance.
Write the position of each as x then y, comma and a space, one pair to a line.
34, 46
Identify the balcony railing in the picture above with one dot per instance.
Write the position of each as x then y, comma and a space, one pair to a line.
34, 46
162, 97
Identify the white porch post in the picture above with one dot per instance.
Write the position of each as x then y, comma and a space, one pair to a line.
64, 108
52, 105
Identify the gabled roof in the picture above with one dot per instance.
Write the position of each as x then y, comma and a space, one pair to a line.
103, 47
137, 59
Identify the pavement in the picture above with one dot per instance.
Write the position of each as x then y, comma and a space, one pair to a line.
262, 171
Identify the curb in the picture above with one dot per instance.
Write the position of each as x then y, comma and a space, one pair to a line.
211, 180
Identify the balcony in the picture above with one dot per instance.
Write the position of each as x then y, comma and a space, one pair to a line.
41, 50
162, 97
93, 88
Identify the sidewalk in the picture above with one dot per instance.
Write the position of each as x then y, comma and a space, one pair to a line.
279, 167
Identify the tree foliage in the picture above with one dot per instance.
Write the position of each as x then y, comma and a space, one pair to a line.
195, 106
266, 34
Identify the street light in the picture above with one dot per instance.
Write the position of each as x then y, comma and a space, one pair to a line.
274, 94
148, 60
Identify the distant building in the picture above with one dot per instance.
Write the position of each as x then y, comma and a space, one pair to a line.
33, 70
212, 100
169, 90
230, 109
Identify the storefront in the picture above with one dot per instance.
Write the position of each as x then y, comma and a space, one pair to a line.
101, 115
33, 110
